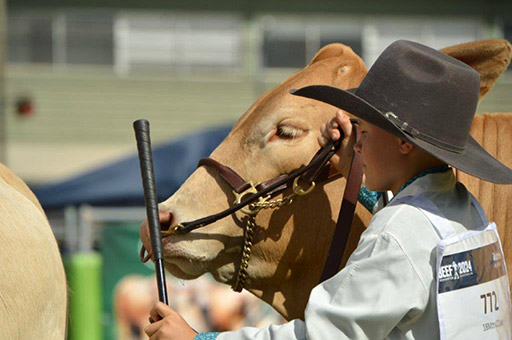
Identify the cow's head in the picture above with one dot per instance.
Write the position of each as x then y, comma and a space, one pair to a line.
277, 135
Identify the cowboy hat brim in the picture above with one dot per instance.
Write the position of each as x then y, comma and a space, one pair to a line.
473, 160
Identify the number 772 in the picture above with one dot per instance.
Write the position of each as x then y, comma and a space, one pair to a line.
488, 300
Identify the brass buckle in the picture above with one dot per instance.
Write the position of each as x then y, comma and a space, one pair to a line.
172, 231
251, 190
297, 189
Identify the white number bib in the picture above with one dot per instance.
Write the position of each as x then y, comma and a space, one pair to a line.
473, 298
473, 294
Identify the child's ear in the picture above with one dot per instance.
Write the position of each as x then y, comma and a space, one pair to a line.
405, 147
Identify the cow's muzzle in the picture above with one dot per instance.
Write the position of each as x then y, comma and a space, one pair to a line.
165, 223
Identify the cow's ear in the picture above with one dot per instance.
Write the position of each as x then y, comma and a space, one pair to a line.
490, 58
333, 51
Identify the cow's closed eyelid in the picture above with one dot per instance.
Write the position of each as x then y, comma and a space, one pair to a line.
287, 132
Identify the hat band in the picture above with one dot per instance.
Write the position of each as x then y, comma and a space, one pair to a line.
406, 128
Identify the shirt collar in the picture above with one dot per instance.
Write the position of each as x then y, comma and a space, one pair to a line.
436, 181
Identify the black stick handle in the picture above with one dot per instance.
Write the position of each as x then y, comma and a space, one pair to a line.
141, 128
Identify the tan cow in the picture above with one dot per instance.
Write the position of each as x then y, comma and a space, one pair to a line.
275, 136
33, 291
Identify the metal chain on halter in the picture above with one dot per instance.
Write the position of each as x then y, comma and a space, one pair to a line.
264, 204
246, 253
251, 213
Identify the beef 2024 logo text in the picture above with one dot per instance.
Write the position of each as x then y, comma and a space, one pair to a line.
455, 270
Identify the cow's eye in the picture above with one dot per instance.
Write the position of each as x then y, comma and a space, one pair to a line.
288, 132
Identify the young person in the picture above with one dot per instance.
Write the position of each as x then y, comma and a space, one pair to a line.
430, 265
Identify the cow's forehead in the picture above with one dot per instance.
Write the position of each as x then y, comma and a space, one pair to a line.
278, 103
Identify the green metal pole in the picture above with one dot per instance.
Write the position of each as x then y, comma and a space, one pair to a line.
85, 304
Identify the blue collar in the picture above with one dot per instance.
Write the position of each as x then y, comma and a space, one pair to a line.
369, 198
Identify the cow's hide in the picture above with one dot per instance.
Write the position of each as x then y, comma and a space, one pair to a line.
494, 133
33, 292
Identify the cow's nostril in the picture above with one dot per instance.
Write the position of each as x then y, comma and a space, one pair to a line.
165, 220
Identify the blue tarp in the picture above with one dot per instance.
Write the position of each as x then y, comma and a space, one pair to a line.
120, 184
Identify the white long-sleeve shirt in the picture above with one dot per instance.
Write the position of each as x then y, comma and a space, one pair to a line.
387, 289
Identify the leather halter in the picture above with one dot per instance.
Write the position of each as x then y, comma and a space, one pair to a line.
318, 169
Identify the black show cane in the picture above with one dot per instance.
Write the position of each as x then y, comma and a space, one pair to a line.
141, 128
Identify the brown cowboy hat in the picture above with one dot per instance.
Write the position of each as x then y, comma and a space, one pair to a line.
425, 97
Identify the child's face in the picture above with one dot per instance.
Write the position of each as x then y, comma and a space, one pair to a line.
381, 157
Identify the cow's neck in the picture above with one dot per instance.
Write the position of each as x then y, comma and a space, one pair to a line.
290, 300
286, 282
